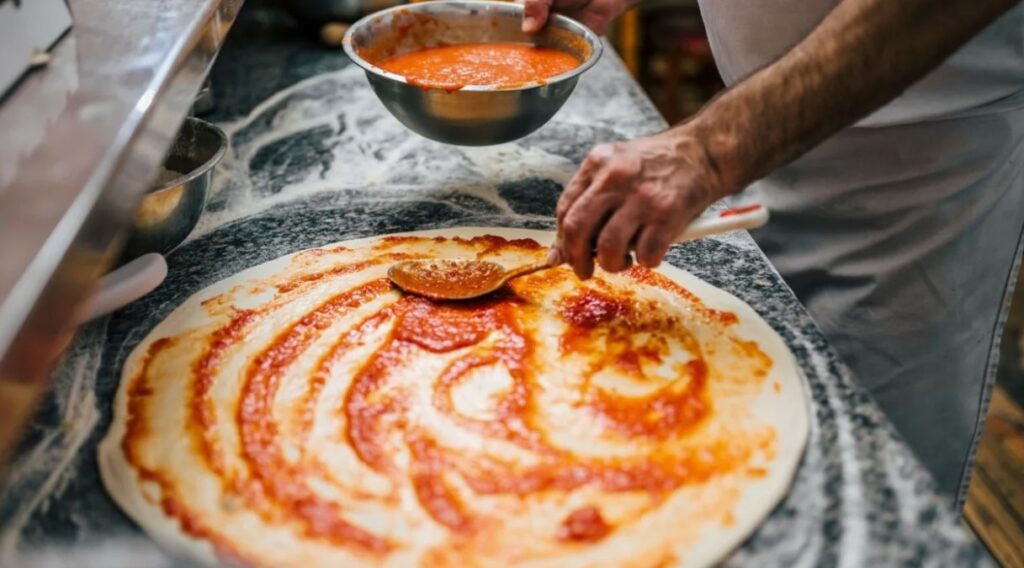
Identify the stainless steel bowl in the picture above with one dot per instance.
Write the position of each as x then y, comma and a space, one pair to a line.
473, 115
171, 210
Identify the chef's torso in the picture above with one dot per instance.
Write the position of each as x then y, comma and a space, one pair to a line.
746, 36
898, 233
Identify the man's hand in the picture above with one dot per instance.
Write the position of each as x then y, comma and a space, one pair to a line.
645, 192
595, 14
638, 194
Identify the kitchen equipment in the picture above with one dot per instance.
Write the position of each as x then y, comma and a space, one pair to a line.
125, 285
29, 28
164, 219
464, 279
473, 115
168, 213
79, 140
203, 103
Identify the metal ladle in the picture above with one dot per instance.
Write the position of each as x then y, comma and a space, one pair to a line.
465, 279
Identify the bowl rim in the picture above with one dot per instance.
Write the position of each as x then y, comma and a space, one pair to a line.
206, 166
592, 39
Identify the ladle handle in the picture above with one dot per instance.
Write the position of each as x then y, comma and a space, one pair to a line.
735, 219
125, 285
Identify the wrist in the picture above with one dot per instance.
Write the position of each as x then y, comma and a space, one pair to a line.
711, 143
719, 135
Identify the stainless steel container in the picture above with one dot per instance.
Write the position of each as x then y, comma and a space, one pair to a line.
171, 210
203, 103
473, 115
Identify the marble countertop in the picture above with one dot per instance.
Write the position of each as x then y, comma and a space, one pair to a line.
316, 159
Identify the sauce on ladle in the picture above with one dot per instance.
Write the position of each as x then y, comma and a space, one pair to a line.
454, 279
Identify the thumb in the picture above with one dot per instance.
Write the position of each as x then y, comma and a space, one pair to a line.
535, 15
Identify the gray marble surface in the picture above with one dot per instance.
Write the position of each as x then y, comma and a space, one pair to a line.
316, 159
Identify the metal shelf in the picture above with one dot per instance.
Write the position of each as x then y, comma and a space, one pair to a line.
79, 142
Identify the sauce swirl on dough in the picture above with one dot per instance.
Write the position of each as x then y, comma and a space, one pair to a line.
383, 378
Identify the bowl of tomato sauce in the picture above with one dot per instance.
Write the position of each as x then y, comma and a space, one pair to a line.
464, 73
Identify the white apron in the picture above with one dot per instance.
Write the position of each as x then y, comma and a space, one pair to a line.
901, 235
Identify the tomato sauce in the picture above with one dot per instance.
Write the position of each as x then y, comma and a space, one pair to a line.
480, 64
584, 525
592, 308
652, 278
448, 279
274, 478
606, 328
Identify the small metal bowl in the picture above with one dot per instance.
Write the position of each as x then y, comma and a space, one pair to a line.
170, 211
473, 115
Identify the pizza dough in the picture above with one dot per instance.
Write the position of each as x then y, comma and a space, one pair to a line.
305, 413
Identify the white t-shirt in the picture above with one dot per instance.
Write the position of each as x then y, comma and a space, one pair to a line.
748, 34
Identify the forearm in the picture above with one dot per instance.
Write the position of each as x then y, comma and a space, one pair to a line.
861, 56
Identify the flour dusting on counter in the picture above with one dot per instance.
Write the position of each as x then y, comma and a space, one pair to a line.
45, 470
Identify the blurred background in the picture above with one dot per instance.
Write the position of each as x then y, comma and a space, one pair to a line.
664, 45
